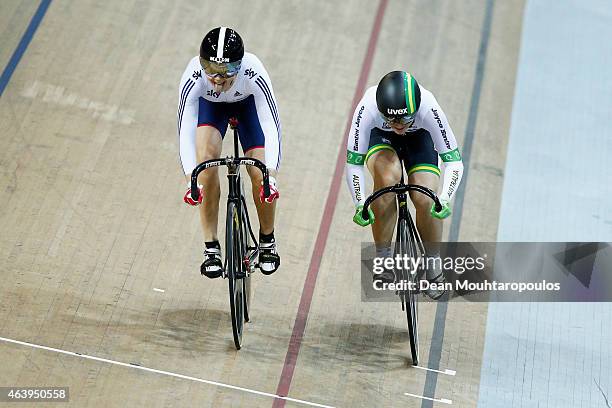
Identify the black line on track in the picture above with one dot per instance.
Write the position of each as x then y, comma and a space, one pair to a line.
437, 338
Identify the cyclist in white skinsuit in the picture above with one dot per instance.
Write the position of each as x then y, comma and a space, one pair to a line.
400, 120
252, 81
222, 83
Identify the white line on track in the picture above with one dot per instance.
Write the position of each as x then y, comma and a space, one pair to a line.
168, 373
158, 290
442, 400
447, 371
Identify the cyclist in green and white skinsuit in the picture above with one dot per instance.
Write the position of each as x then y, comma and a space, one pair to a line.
401, 120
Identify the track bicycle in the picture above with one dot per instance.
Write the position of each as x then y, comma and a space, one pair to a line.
241, 248
408, 242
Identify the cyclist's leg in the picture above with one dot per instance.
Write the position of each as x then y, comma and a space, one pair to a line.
430, 228
252, 140
208, 143
384, 166
422, 167
253, 143
265, 211
212, 124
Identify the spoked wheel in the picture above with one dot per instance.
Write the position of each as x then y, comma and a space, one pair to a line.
406, 246
234, 266
246, 245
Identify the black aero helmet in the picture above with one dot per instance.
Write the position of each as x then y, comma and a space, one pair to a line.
398, 96
222, 45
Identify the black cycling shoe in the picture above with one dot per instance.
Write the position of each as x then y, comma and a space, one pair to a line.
212, 267
269, 260
436, 293
385, 276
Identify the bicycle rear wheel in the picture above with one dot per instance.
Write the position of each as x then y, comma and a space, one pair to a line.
234, 268
406, 246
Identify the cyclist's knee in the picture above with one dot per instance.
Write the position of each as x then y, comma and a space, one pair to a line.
387, 177
255, 175
254, 172
209, 179
385, 168
421, 202
426, 179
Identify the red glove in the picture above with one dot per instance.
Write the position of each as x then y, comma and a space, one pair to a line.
189, 200
274, 194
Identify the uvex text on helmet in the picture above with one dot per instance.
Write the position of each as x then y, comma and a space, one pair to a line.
398, 94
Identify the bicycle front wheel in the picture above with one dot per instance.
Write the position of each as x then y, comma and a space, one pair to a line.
234, 266
406, 246
246, 245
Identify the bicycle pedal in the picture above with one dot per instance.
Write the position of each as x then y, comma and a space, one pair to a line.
250, 267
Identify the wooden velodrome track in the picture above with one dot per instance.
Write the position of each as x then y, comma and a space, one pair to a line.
92, 217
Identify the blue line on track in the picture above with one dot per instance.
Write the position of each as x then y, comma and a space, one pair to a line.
7, 73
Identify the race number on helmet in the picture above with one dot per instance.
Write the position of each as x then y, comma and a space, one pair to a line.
222, 45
